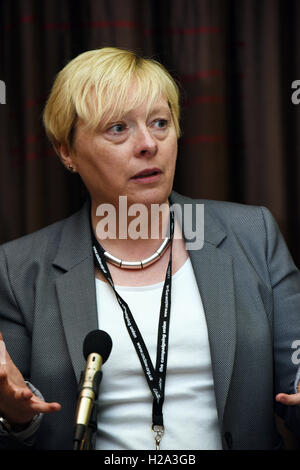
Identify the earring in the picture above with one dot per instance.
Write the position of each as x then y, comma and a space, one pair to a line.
71, 169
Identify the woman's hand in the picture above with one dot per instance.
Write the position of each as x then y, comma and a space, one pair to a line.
292, 399
17, 402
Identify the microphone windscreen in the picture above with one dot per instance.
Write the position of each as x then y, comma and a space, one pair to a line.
97, 341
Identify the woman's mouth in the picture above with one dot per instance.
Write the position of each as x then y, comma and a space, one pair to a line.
148, 175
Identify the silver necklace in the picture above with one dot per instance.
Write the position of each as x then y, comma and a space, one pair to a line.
144, 263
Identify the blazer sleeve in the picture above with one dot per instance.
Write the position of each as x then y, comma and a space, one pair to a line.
18, 343
285, 282
16, 335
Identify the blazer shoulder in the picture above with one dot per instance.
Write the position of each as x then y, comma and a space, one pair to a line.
249, 220
34, 245
228, 213
231, 216
254, 225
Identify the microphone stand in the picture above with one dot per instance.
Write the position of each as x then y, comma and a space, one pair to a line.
88, 441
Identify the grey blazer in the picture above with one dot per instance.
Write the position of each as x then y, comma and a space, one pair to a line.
250, 290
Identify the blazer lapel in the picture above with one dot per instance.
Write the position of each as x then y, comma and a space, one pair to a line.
213, 269
213, 272
76, 286
78, 307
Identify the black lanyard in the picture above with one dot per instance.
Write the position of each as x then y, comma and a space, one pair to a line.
155, 377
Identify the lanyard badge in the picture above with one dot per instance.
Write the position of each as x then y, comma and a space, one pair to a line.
155, 377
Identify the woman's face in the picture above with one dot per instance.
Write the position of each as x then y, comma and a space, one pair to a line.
134, 156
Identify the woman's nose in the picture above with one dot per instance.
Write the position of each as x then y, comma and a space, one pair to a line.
146, 145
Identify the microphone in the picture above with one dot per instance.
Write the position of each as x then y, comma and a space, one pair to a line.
96, 350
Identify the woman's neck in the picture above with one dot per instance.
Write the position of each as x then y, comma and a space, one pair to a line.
130, 237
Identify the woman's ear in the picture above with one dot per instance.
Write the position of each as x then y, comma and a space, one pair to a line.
66, 158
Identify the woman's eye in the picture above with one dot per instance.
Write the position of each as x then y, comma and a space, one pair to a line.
117, 128
160, 123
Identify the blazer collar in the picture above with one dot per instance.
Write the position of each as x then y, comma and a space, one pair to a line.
212, 232
75, 243
75, 287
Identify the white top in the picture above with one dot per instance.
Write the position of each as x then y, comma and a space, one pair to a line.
125, 415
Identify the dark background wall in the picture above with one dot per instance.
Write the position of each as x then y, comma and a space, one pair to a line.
235, 60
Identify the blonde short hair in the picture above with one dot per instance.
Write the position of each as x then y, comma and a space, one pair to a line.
94, 87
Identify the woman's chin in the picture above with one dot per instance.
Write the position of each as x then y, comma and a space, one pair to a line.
149, 197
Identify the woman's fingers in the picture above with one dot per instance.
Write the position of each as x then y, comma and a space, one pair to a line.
18, 401
23, 394
8, 368
285, 399
4, 356
2, 352
21, 405
39, 406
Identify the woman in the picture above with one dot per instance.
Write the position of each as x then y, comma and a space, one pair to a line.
221, 313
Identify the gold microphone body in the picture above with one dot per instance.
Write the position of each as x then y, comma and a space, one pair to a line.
87, 395
96, 350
